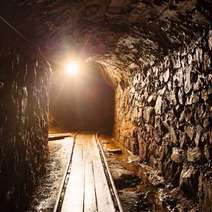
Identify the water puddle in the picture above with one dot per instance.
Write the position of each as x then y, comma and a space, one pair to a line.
136, 193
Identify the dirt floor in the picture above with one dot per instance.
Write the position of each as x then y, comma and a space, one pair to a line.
45, 194
141, 188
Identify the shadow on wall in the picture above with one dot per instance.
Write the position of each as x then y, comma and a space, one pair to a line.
83, 102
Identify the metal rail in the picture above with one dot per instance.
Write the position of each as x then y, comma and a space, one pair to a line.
109, 176
64, 179
114, 194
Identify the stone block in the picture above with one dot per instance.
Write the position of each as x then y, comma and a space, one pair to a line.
189, 181
177, 155
194, 154
148, 113
158, 105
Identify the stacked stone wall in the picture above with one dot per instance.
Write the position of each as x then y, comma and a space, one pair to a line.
164, 116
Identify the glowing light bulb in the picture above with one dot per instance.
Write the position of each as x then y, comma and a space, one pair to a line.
72, 68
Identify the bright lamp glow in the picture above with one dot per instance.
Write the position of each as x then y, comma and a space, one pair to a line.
72, 68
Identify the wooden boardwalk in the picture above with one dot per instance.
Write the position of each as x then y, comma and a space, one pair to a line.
87, 189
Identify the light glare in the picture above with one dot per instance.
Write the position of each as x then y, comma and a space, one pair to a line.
72, 68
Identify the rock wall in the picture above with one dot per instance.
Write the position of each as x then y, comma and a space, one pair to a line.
164, 116
23, 118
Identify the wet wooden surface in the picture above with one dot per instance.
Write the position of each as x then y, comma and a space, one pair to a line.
57, 136
87, 188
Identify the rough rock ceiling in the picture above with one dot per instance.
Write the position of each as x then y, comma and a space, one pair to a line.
111, 27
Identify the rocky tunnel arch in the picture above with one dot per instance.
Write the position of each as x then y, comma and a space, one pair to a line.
85, 102
163, 114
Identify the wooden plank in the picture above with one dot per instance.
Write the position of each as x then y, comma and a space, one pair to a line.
104, 199
74, 196
110, 176
71, 140
87, 189
58, 136
89, 195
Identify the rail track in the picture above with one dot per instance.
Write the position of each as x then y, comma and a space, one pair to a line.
87, 184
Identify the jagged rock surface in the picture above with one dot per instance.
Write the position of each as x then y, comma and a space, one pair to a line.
164, 116
23, 119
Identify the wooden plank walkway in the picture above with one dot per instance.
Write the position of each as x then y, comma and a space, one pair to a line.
87, 189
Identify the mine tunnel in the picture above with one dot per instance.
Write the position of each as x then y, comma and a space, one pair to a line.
105, 105
84, 101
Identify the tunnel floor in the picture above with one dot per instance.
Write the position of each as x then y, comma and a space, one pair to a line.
140, 188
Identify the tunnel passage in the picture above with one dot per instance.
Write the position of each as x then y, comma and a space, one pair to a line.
84, 102
161, 54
